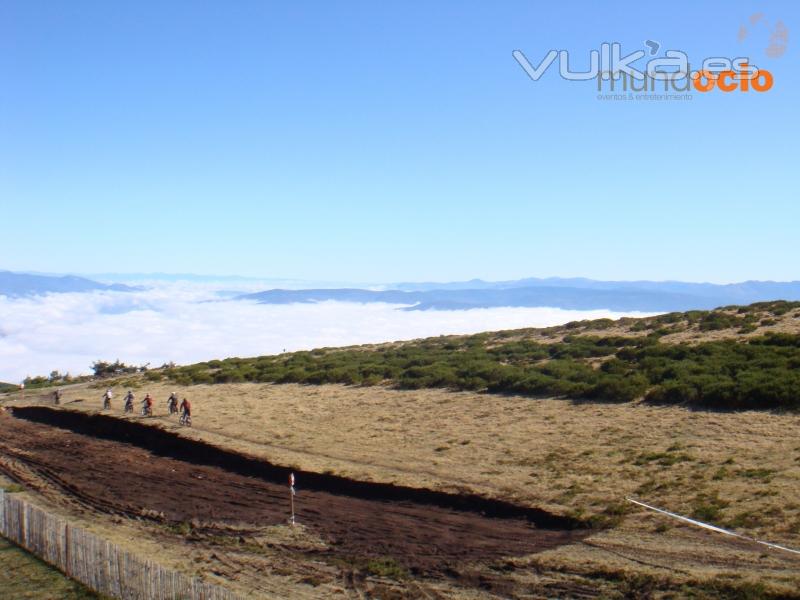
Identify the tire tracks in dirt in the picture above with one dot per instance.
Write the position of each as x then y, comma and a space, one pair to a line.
425, 532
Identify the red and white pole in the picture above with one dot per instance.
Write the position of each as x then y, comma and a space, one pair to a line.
291, 495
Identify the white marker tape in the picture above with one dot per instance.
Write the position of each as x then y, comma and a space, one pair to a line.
712, 527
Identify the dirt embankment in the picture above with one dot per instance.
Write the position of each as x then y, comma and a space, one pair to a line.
122, 466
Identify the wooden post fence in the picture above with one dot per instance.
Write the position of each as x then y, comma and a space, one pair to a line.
100, 565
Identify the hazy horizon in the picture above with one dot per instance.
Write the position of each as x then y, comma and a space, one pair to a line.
186, 323
143, 276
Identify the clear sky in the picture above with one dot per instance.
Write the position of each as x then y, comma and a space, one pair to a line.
386, 141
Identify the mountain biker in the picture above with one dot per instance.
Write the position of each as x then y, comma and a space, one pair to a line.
107, 398
147, 405
129, 401
57, 397
186, 411
172, 403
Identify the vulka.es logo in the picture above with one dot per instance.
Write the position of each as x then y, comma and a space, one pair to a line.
672, 69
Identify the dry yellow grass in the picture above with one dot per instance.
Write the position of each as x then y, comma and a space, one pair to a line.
742, 469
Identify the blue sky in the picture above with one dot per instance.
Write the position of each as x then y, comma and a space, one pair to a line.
386, 141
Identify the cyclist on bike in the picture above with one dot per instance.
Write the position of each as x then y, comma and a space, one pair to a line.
147, 406
57, 397
172, 403
129, 401
186, 411
107, 398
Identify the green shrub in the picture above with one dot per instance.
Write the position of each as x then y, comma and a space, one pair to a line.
616, 388
386, 567
761, 372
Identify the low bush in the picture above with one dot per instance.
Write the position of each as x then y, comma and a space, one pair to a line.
761, 372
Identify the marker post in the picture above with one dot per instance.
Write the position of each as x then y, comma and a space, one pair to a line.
291, 496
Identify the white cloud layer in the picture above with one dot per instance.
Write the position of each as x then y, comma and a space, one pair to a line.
184, 323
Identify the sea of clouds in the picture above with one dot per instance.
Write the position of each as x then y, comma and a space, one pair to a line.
187, 323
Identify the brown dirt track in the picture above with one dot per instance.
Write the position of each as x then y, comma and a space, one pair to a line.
157, 473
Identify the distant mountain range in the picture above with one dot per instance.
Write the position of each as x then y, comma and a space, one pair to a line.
233, 281
575, 294
746, 288
566, 293
25, 284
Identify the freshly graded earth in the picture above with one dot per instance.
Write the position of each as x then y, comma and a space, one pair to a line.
121, 477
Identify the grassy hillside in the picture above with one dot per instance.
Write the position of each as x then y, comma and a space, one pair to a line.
7, 387
730, 358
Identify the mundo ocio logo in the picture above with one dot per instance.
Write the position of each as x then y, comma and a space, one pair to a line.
671, 72
643, 75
